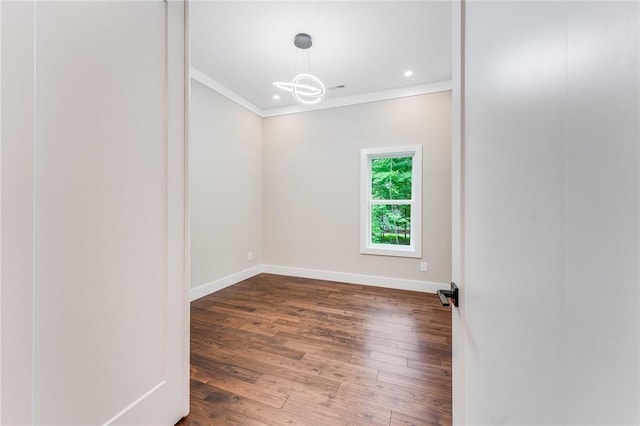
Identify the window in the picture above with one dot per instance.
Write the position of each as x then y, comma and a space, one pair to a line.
390, 209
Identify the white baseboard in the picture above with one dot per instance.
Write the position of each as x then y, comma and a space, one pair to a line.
343, 277
370, 280
213, 286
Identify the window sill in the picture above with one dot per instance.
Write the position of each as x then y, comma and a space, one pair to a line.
395, 251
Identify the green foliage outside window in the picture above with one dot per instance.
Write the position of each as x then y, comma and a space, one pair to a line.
391, 180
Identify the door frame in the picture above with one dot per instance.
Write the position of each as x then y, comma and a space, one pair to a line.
457, 209
187, 213
457, 200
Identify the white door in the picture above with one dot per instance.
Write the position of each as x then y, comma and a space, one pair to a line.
94, 307
551, 215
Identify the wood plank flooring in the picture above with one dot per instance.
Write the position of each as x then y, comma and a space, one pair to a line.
276, 350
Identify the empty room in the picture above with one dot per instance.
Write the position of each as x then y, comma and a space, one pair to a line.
334, 206
320, 213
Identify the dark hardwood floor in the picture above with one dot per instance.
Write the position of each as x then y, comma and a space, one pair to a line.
276, 350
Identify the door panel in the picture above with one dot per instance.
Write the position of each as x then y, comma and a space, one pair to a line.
603, 207
109, 306
100, 206
551, 213
17, 231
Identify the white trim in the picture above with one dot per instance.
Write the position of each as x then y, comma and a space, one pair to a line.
224, 91
186, 360
134, 403
458, 319
0, 216
219, 284
342, 277
413, 250
34, 292
382, 95
349, 278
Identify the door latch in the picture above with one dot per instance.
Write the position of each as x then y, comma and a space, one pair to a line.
452, 294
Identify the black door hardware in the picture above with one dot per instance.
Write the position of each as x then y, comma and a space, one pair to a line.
451, 294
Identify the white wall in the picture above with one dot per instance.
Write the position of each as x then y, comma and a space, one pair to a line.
552, 213
312, 185
225, 143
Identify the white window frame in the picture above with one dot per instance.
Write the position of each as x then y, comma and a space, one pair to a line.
366, 201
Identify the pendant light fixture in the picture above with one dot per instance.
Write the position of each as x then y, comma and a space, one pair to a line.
306, 88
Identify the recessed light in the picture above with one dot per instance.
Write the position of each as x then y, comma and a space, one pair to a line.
408, 73
276, 97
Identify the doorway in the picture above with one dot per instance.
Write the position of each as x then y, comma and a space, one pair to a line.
251, 258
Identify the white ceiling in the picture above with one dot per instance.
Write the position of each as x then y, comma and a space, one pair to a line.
365, 45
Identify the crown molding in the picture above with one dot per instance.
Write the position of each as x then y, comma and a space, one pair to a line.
383, 95
212, 84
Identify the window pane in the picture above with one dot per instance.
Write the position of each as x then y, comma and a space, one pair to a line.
391, 178
391, 224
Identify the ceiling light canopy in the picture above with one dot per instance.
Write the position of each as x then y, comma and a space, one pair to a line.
306, 88
302, 41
